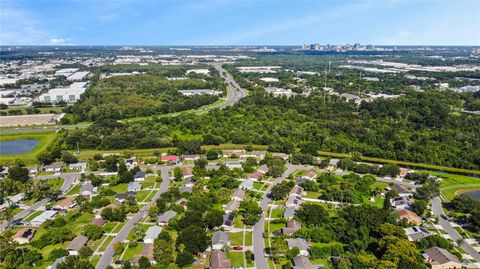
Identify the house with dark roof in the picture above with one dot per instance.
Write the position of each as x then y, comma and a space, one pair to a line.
402, 191
98, 221
416, 233
24, 235
77, 243
439, 258
228, 220
139, 176
219, 260
122, 196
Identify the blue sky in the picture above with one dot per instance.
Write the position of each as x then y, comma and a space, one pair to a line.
239, 22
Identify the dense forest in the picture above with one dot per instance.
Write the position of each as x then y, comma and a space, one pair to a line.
141, 95
419, 127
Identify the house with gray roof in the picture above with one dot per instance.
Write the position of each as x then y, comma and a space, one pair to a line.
134, 186
300, 243
77, 243
165, 217
152, 234
219, 240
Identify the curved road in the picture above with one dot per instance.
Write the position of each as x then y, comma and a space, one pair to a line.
259, 228
237, 92
107, 258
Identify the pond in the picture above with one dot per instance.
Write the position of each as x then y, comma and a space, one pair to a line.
17, 146
473, 194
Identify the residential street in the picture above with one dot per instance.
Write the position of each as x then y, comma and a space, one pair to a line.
259, 228
107, 257
437, 211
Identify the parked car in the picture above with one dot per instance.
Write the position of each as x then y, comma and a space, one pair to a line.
237, 248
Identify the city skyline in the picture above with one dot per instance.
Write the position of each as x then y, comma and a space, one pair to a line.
176, 23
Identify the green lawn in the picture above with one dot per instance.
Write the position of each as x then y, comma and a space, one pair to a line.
56, 183
257, 185
277, 213
452, 184
312, 194
236, 258
141, 195
275, 226
33, 215
236, 239
74, 191
131, 252
45, 139
120, 188
237, 222
248, 238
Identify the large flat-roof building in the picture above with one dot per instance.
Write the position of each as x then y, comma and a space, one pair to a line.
69, 94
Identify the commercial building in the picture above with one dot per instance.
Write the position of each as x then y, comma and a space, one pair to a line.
70, 94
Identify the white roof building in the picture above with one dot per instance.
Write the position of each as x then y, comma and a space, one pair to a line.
40, 219
152, 234
70, 94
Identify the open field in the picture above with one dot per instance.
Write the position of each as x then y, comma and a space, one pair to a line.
452, 184
45, 139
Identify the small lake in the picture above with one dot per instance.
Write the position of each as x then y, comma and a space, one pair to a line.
473, 194
17, 146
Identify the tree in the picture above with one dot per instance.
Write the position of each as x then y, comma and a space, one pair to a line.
184, 258
68, 157
178, 174
250, 211
419, 206
144, 263
57, 253
92, 232
194, 238
85, 252
213, 218
312, 215
212, 154
118, 248
75, 262
18, 173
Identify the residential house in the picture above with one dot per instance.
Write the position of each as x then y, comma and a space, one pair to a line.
402, 191
255, 176
292, 226
134, 186
77, 166
233, 164
40, 219
131, 163
54, 167
233, 205
401, 202
310, 175
263, 169
259, 155
302, 262
187, 172
165, 217
233, 153
191, 157
297, 191
439, 258
247, 184
293, 201
416, 233
33, 170
77, 243
171, 159
185, 189
333, 162
139, 176
289, 213
300, 243
152, 234
228, 220
87, 189
12, 200
183, 202
24, 235
219, 260
403, 172
121, 197
98, 221
188, 182
281, 155
65, 204
57, 262
238, 195
409, 216
219, 240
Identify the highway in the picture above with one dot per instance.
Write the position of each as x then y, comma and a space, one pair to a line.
107, 258
438, 211
237, 92
259, 228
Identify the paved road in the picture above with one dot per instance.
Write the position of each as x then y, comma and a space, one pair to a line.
437, 211
237, 92
67, 184
259, 228
107, 257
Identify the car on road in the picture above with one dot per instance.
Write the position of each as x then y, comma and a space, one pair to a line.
444, 217
237, 248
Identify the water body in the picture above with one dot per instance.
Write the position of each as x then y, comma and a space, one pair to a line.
473, 194
17, 146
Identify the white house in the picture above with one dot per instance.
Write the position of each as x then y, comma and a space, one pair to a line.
77, 166
40, 219
152, 234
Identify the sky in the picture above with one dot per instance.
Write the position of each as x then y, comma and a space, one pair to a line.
239, 22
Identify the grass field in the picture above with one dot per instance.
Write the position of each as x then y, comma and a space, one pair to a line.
74, 191
45, 139
453, 184
236, 239
33, 215
236, 258
56, 183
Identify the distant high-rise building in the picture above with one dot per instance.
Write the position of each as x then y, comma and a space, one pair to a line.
304, 47
357, 46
